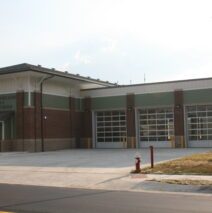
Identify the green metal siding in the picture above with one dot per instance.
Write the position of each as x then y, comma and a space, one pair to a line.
9, 128
8, 102
155, 99
197, 96
108, 102
54, 101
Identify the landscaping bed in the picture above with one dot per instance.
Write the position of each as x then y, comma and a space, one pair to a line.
196, 164
185, 182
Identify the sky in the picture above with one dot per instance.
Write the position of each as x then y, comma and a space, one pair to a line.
113, 40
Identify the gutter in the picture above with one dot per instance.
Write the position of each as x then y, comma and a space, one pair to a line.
34, 68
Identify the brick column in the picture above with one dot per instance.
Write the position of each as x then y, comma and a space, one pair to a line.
79, 119
131, 133
72, 116
87, 123
73, 122
179, 118
37, 125
19, 145
29, 128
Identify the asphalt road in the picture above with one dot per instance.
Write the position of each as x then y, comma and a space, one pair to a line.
35, 199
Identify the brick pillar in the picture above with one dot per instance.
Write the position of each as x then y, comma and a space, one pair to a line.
79, 119
73, 121
179, 119
29, 129
72, 115
37, 125
131, 135
87, 123
19, 145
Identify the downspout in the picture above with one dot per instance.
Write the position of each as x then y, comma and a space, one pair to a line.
29, 91
41, 106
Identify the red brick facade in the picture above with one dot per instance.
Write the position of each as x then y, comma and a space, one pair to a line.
73, 128
72, 116
131, 133
87, 118
20, 115
76, 122
178, 113
130, 115
57, 123
179, 119
59, 127
29, 123
86, 139
37, 115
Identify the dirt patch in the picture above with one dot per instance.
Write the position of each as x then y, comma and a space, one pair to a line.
184, 182
138, 176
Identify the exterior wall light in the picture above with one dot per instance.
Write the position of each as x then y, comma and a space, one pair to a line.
178, 107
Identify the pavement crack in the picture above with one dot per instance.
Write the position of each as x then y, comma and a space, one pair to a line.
112, 179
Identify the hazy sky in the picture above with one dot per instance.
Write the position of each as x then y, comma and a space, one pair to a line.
115, 40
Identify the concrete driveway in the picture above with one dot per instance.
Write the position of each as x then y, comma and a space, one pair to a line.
96, 169
91, 158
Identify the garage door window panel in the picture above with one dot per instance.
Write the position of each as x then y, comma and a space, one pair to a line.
199, 122
156, 124
110, 126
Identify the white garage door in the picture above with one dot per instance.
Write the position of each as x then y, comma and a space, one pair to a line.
156, 126
199, 125
110, 129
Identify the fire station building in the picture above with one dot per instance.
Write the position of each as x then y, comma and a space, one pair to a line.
43, 109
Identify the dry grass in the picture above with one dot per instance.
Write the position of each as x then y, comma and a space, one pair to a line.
196, 164
185, 182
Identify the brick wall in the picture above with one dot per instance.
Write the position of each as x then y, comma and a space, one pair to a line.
60, 128
179, 113
88, 117
131, 120
20, 115
178, 117
57, 124
29, 123
86, 124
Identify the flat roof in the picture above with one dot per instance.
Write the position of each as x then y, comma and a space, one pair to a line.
152, 83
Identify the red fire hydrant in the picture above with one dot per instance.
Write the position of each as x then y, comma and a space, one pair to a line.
137, 165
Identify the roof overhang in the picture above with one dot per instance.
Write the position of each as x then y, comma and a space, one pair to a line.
87, 82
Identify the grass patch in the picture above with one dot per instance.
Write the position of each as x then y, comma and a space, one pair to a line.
185, 182
196, 164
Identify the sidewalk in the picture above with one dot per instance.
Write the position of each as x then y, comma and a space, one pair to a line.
84, 169
97, 178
